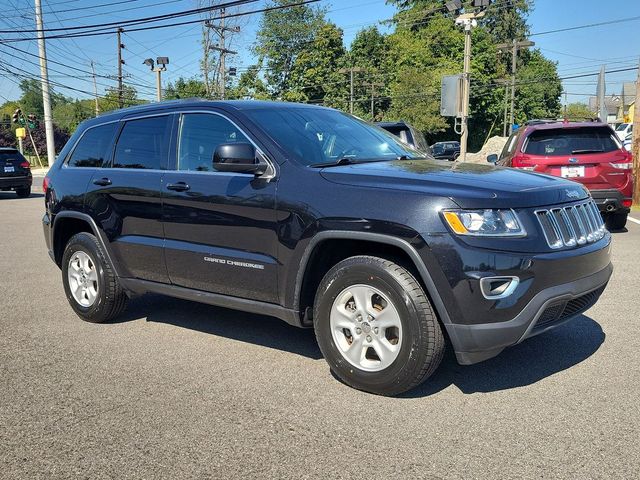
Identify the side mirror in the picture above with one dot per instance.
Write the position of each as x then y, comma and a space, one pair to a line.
493, 158
237, 157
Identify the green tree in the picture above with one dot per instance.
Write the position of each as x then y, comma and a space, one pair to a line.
282, 35
185, 88
31, 99
249, 86
110, 100
70, 114
538, 88
314, 74
579, 111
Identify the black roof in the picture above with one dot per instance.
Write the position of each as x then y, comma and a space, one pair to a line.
197, 103
399, 123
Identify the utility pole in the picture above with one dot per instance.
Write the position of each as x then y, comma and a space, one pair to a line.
351, 71
373, 88
514, 46
636, 143
46, 94
221, 29
160, 66
95, 88
120, 63
507, 84
468, 21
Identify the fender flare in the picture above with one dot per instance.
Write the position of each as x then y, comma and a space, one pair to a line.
432, 291
97, 232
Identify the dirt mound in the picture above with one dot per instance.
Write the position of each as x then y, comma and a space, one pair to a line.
493, 145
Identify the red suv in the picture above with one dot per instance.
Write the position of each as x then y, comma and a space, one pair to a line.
586, 152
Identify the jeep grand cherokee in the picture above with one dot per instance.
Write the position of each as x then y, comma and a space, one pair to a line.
324, 221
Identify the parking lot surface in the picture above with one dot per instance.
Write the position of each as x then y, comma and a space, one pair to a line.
176, 389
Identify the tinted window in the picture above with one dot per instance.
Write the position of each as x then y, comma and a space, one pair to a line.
200, 134
509, 146
10, 154
143, 143
621, 127
570, 141
318, 135
93, 147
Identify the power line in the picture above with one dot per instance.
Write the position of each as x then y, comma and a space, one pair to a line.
588, 25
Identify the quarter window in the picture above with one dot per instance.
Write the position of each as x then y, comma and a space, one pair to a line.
200, 135
144, 143
93, 148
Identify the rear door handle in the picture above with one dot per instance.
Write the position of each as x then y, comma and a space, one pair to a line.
178, 187
103, 182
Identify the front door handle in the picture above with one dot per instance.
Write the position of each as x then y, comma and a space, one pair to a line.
178, 187
103, 182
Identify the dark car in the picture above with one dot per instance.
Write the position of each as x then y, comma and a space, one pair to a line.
310, 215
589, 153
407, 133
446, 150
15, 172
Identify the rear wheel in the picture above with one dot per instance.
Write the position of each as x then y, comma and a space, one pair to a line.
615, 221
23, 192
92, 288
375, 326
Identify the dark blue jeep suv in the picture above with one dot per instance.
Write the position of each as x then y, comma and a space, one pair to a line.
315, 217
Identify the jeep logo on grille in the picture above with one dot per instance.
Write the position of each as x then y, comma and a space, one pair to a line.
572, 194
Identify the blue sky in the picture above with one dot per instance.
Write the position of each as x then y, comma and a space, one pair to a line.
577, 52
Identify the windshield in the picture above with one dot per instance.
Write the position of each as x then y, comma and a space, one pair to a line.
621, 127
322, 136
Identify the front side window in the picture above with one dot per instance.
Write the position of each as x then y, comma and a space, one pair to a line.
143, 143
317, 136
200, 135
93, 148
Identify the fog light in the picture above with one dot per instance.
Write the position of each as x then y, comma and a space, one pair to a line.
495, 288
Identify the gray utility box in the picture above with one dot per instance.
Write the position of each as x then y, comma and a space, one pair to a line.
451, 96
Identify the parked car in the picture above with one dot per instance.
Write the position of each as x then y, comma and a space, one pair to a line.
15, 172
586, 152
623, 130
407, 133
628, 142
446, 150
310, 215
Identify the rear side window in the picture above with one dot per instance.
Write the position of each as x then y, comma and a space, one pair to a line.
93, 148
200, 135
570, 141
143, 143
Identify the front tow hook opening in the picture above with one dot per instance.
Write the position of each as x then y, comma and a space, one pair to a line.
495, 288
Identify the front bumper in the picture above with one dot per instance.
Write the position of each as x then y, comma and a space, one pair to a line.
547, 309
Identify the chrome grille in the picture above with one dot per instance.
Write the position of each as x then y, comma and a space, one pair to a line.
570, 226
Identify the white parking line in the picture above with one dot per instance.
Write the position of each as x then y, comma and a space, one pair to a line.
633, 220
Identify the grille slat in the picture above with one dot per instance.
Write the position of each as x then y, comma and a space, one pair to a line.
570, 226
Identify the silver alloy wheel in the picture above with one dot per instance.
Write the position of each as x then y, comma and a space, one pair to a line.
366, 328
83, 278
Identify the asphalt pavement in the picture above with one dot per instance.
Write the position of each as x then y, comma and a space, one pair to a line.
176, 389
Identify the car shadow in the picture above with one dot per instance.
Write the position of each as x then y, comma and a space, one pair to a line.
524, 364
12, 195
529, 362
245, 327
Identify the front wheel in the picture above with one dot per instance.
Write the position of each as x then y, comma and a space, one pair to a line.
376, 327
615, 221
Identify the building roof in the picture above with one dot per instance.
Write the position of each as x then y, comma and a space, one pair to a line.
628, 93
611, 103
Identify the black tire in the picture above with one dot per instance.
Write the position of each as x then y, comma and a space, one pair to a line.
111, 299
615, 221
23, 192
422, 345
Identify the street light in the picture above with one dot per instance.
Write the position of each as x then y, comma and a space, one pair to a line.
161, 63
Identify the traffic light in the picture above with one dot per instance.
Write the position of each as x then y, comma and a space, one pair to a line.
15, 118
32, 121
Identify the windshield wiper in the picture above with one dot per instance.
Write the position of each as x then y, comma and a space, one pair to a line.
341, 161
586, 150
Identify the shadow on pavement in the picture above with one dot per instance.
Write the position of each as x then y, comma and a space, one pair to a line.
533, 360
529, 362
12, 195
245, 327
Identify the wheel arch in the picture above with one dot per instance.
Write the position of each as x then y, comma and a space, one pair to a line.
307, 276
68, 223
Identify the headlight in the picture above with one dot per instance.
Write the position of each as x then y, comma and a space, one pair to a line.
484, 223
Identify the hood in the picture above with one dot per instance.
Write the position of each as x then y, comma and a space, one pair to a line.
467, 184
